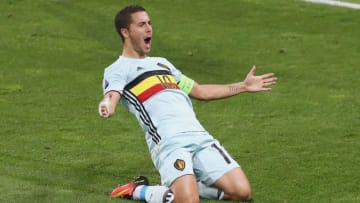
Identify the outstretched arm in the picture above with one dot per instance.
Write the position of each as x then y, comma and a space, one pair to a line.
252, 83
108, 104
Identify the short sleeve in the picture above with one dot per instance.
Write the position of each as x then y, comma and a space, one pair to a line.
114, 80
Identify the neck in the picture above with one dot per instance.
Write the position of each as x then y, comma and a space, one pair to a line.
129, 52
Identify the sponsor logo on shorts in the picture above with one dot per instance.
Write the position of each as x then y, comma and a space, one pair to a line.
179, 164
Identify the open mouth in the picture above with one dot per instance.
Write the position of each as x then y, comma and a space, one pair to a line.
147, 40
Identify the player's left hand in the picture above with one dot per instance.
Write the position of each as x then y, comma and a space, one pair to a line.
259, 83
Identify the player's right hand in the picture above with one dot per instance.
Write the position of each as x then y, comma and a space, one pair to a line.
104, 107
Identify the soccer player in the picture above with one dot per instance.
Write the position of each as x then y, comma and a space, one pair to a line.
191, 162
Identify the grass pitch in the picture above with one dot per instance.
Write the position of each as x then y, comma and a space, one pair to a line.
298, 143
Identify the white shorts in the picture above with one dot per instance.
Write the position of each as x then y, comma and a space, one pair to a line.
207, 162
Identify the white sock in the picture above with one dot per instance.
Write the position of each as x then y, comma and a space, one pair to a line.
207, 192
153, 194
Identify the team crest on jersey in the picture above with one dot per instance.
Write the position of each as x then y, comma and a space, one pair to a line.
179, 164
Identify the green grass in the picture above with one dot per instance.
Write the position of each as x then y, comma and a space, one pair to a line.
298, 143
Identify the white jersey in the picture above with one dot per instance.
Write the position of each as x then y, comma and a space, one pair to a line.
178, 144
149, 90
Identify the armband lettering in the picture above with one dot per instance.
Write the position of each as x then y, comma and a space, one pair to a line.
186, 84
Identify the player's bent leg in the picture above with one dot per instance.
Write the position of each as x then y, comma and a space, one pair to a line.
185, 190
235, 185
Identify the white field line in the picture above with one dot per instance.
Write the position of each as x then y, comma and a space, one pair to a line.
336, 3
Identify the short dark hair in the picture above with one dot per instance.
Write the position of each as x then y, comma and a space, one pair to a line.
123, 17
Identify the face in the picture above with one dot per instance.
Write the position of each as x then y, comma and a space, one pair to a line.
138, 36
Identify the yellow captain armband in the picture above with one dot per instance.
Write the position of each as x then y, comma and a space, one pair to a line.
186, 84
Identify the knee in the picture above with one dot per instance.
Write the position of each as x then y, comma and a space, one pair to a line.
244, 194
185, 190
239, 193
191, 198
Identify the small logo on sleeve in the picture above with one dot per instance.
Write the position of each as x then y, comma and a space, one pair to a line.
105, 84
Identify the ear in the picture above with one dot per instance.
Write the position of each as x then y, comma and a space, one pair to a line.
124, 32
